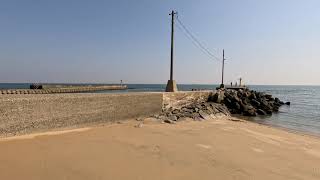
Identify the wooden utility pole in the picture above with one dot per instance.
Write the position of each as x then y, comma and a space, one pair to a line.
222, 80
171, 85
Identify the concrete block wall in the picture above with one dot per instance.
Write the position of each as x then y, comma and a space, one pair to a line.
62, 89
22, 114
29, 113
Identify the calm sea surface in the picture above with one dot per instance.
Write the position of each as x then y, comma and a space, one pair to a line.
303, 114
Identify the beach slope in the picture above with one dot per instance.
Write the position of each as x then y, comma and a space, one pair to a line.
214, 149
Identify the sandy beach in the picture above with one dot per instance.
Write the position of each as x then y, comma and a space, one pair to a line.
214, 149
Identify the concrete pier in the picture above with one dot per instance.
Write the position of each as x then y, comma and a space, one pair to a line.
52, 89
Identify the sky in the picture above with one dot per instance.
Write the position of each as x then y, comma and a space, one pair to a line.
272, 42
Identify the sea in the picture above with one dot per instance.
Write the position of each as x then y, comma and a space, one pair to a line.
303, 115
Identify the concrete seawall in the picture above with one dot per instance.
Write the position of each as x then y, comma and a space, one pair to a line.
25, 113
62, 89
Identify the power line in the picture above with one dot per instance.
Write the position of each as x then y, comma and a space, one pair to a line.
195, 41
196, 45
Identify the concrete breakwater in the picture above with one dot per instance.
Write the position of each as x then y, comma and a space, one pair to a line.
47, 89
223, 102
24, 114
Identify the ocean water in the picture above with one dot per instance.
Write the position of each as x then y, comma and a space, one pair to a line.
303, 115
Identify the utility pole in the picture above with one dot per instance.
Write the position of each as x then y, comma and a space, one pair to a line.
171, 85
223, 59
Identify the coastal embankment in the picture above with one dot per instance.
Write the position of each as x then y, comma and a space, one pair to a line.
53, 89
26, 113
61, 140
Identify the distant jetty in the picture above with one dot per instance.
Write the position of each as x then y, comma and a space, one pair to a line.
62, 88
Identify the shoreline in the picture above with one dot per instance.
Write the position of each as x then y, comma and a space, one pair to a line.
89, 126
16, 105
295, 131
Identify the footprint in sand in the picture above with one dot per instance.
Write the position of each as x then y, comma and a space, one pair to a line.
257, 150
204, 146
312, 152
227, 128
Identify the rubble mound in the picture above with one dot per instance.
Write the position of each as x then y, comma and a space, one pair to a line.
247, 102
197, 111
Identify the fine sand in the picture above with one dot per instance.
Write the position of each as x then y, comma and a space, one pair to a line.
215, 149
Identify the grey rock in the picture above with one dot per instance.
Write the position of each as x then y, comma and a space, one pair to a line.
261, 112
236, 105
195, 115
217, 97
268, 96
173, 118
204, 115
275, 108
176, 111
210, 110
250, 112
140, 125
269, 111
169, 121
255, 103
253, 96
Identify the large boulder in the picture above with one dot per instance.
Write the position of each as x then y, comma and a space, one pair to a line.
250, 112
255, 103
261, 112
236, 105
253, 96
275, 108
268, 96
204, 115
218, 97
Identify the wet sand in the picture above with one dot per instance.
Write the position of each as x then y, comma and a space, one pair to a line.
215, 149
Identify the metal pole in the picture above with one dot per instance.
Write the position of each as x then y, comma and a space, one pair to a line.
172, 34
222, 65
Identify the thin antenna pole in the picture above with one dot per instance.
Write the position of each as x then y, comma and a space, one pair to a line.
223, 59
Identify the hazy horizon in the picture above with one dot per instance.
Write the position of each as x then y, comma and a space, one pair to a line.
100, 41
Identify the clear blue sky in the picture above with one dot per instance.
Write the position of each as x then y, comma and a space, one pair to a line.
103, 41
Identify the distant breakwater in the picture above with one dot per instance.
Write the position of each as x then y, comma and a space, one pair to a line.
63, 89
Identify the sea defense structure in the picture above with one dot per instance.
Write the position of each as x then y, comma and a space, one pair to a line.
247, 102
52, 89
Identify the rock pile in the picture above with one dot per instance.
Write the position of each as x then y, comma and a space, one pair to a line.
198, 111
247, 102
223, 102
